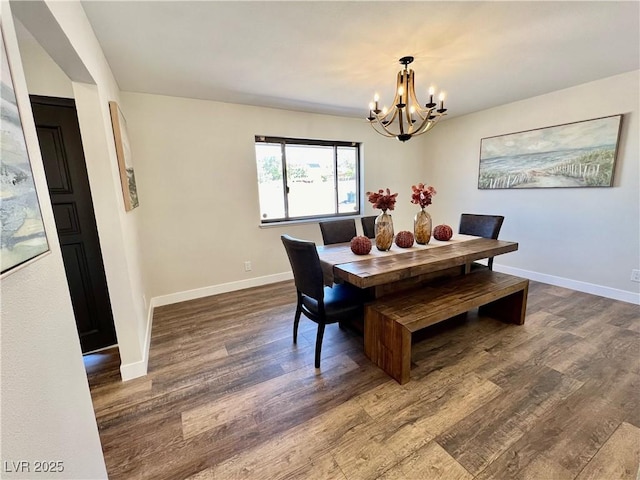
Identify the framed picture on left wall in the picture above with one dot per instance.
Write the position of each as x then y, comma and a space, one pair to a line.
23, 236
123, 152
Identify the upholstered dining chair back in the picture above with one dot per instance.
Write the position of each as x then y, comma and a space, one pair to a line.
369, 226
341, 303
305, 263
486, 226
338, 231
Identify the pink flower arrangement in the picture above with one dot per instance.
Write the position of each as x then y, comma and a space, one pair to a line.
383, 201
422, 195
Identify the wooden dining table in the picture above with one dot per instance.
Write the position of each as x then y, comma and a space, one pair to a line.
411, 273
399, 268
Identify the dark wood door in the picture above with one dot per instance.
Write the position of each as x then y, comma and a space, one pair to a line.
61, 146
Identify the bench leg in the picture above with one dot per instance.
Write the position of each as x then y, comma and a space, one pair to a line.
511, 309
387, 344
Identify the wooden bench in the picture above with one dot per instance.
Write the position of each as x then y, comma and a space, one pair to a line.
389, 321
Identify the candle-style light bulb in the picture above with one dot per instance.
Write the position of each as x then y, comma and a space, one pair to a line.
442, 109
400, 90
384, 110
371, 105
376, 97
375, 108
412, 110
431, 92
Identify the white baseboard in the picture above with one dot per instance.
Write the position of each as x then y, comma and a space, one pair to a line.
608, 292
139, 369
129, 371
221, 288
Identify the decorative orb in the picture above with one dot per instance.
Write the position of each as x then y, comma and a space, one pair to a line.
404, 239
442, 233
360, 245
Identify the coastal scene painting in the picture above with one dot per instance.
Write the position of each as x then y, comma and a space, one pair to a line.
580, 154
123, 152
23, 236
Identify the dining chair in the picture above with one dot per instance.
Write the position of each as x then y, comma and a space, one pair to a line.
338, 231
369, 226
321, 304
486, 226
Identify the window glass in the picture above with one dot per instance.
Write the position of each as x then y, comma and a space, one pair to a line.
306, 179
270, 180
347, 180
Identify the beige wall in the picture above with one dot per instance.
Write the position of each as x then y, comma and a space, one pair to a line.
118, 230
197, 180
195, 164
585, 238
46, 405
44, 76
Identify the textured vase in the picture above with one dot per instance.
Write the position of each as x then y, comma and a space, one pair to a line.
384, 231
422, 227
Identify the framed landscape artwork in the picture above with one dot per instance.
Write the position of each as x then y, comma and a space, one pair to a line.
23, 236
123, 152
579, 154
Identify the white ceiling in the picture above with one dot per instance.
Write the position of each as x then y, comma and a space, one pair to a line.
330, 57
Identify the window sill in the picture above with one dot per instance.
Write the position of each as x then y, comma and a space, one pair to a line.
286, 223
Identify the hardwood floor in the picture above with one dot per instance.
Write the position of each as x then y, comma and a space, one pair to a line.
229, 396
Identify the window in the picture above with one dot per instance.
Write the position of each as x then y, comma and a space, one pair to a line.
306, 179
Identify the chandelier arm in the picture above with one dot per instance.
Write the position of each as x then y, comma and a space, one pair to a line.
399, 83
383, 132
393, 112
411, 100
387, 130
387, 119
425, 126
430, 124
421, 113
410, 119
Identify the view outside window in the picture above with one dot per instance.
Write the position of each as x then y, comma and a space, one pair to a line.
270, 180
306, 179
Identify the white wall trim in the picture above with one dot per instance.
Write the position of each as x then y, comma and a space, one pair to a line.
138, 369
129, 371
133, 370
608, 292
220, 288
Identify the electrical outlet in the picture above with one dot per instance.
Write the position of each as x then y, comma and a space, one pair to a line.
247, 266
635, 275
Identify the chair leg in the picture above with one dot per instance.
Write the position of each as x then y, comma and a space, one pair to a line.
296, 321
490, 263
319, 343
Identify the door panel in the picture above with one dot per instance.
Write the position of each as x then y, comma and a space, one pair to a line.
64, 164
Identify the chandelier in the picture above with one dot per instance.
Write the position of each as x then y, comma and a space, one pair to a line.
406, 118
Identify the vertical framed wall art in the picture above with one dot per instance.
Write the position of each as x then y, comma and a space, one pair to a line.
23, 236
578, 154
123, 152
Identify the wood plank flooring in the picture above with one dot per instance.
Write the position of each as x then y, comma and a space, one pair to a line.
229, 396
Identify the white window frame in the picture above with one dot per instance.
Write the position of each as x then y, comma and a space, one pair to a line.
283, 141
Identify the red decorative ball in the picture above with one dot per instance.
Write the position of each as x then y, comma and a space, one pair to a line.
360, 245
442, 233
404, 239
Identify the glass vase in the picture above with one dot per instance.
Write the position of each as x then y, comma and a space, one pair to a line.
384, 231
422, 227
